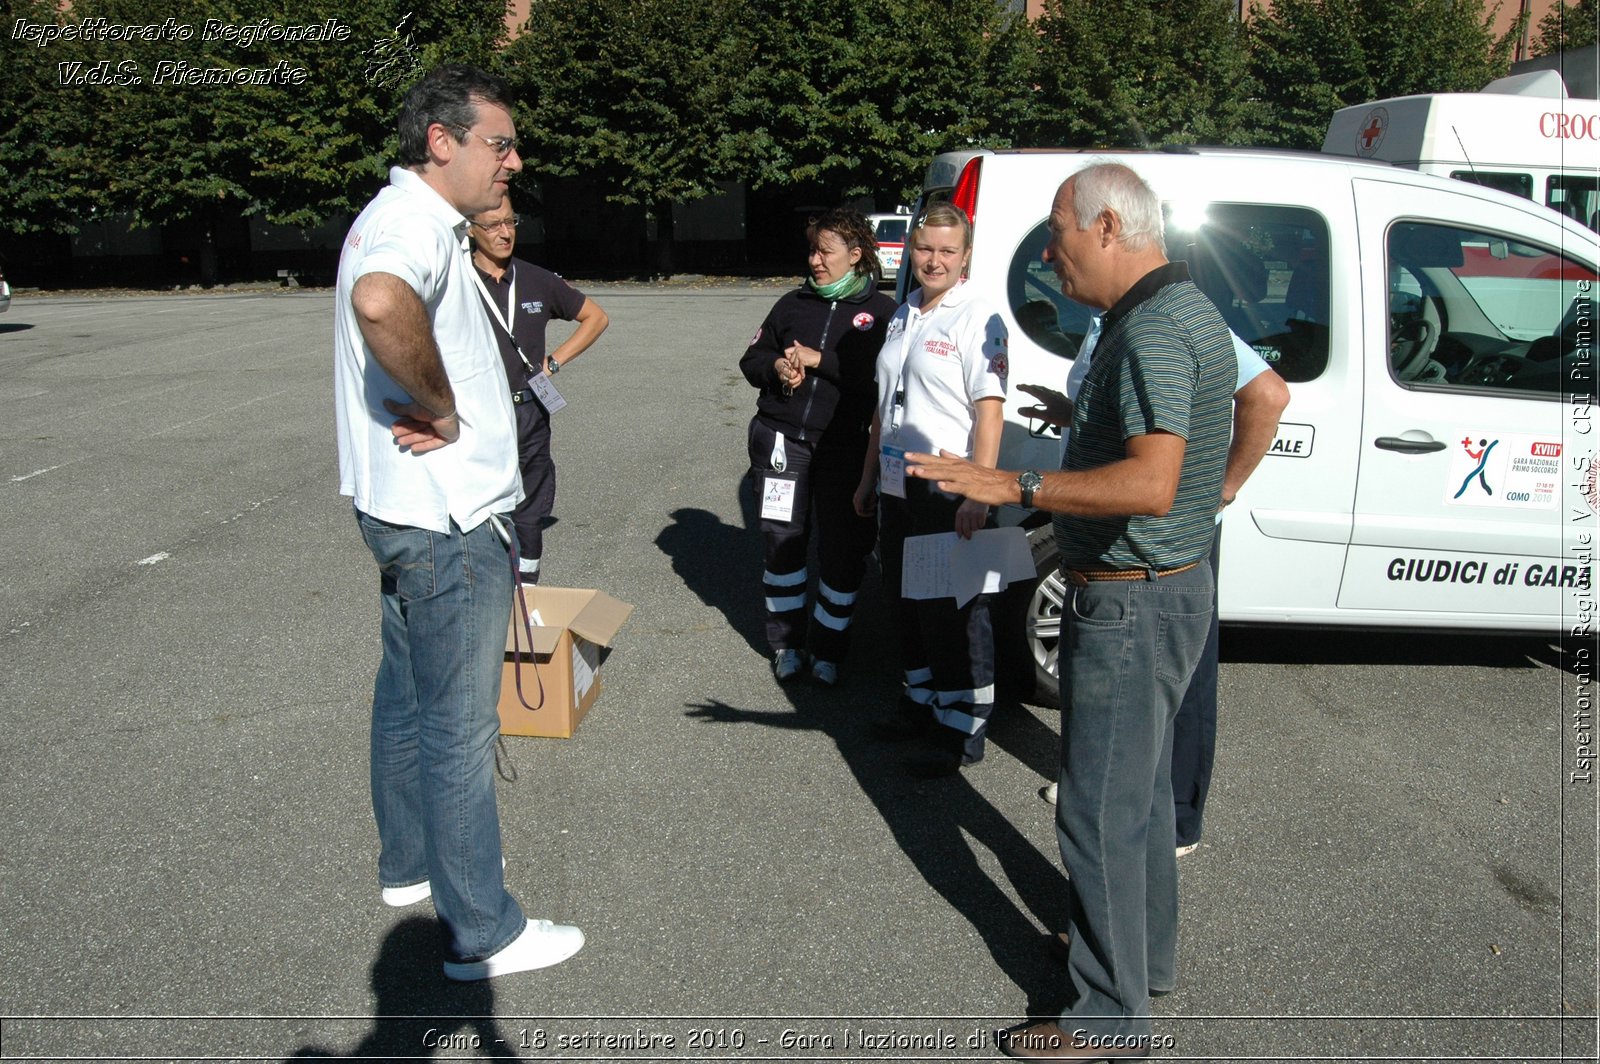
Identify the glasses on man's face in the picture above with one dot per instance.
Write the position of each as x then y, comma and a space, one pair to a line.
501, 146
507, 224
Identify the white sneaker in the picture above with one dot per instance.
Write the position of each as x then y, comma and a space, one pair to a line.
1049, 793
1184, 851
786, 664
825, 672
400, 897
540, 945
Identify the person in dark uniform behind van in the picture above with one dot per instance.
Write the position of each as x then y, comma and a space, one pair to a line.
814, 358
521, 299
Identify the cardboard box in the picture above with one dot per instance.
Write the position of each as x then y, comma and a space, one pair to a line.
561, 676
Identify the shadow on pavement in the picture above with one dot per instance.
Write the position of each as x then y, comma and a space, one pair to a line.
939, 824
721, 564
418, 1011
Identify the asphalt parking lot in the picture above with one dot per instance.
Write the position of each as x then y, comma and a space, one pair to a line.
1397, 864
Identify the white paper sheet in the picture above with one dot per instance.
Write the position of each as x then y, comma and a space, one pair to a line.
945, 565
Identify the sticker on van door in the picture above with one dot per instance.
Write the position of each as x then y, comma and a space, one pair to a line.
1427, 581
1486, 469
1293, 441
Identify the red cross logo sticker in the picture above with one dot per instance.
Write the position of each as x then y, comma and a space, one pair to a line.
1372, 131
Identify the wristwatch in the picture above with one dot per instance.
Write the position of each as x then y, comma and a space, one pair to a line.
551, 366
1029, 483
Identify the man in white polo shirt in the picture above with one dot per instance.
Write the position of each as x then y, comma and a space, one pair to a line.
428, 452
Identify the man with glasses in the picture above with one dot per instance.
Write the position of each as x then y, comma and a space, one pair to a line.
521, 299
427, 451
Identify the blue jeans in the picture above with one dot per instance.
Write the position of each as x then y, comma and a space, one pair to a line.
1131, 648
446, 609
1194, 734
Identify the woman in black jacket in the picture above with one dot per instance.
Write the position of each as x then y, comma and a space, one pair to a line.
814, 359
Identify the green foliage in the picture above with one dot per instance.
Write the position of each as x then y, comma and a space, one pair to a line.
628, 93
1568, 26
658, 99
851, 97
111, 126
1128, 73
655, 101
1312, 57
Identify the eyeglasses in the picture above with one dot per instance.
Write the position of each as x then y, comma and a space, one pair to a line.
510, 223
501, 146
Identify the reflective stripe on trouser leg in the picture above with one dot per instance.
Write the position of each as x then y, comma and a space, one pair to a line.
830, 622
970, 720
917, 689
786, 607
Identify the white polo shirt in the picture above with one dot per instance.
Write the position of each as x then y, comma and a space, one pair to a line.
408, 230
933, 369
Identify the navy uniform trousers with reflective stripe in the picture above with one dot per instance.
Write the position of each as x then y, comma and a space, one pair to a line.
825, 483
947, 651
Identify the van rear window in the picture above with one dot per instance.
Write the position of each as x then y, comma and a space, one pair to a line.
1576, 197
1264, 266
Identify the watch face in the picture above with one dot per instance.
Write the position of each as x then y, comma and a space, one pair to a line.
1029, 483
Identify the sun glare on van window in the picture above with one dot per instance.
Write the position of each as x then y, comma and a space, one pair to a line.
1187, 216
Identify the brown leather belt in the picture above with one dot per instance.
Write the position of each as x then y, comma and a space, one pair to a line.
1082, 577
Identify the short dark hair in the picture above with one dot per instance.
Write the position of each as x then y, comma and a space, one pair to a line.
450, 96
855, 231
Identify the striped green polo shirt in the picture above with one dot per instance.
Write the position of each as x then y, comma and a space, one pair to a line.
1164, 362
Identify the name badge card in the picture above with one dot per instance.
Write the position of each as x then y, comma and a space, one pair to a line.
545, 389
777, 499
892, 471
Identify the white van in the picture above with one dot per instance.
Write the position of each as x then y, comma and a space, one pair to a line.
1522, 134
1435, 467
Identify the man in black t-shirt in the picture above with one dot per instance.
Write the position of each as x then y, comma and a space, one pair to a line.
520, 299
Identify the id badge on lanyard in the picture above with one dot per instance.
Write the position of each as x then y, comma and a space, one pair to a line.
538, 380
545, 389
892, 459
777, 490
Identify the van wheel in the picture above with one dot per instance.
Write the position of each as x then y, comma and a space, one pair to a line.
1041, 624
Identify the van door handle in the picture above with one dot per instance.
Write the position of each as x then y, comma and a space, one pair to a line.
1405, 446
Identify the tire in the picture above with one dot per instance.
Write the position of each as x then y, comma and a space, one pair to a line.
1041, 621
1027, 627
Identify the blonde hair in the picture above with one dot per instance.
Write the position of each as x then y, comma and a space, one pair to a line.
948, 216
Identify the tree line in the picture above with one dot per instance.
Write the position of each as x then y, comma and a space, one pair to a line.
655, 101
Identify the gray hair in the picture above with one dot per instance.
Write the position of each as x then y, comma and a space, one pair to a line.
1114, 187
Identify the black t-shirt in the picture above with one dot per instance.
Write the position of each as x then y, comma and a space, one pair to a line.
540, 297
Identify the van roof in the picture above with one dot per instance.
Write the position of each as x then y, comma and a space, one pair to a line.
1165, 169
945, 168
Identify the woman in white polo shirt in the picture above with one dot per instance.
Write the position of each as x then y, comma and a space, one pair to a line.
941, 386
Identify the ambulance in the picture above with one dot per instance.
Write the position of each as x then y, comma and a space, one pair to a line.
1522, 134
1435, 467
890, 232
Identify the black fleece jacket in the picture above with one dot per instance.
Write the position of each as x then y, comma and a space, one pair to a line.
836, 400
